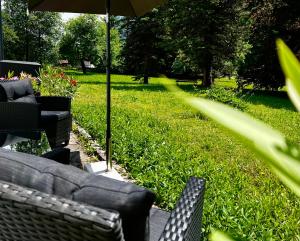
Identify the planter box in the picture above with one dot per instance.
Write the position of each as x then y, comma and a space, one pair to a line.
17, 67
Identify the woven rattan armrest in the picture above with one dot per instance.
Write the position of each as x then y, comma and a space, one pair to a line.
27, 214
54, 103
185, 220
19, 116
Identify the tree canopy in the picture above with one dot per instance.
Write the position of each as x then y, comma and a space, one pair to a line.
30, 36
270, 19
84, 40
143, 51
200, 39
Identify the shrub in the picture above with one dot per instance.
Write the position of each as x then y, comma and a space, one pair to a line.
226, 96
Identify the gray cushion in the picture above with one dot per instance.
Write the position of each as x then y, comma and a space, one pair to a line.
26, 99
40, 174
158, 220
12, 90
3, 96
133, 202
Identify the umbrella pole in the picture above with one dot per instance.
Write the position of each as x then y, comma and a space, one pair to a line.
1, 34
108, 89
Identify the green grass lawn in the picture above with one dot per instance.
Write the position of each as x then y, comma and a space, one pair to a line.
162, 142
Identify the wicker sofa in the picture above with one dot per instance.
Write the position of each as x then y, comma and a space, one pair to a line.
23, 114
44, 200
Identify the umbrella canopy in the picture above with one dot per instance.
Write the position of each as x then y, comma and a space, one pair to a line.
117, 8
114, 7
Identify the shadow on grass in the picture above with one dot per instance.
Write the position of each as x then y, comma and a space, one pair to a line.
190, 88
152, 87
78, 73
135, 86
99, 79
270, 101
276, 100
139, 87
103, 82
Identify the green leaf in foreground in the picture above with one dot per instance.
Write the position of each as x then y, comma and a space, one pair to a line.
219, 236
291, 68
283, 158
262, 139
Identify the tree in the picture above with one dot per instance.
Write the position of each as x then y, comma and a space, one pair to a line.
84, 39
80, 41
270, 19
143, 51
30, 37
205, 33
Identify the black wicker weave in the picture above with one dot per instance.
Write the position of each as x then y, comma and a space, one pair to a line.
29, 215
27, 113
185, 220
58, 132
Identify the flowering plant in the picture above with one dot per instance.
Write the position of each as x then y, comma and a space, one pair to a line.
23, 76
52, 82
56, 82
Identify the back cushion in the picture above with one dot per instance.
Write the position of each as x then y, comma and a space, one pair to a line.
14, 89
131, 201
4, 88
26, 99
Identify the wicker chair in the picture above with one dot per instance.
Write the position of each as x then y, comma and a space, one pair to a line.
43, 200
23, 114
27, 214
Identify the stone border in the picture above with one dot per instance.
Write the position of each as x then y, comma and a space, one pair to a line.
96, 149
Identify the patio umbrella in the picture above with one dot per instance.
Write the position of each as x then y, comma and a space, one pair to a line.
108, 7
1, 34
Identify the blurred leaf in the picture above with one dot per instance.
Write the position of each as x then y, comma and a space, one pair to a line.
291, 68
219, 236
266, 142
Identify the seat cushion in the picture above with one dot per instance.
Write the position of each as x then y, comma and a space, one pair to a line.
26, 99
14, 89
158, 220
50, 116
131, 201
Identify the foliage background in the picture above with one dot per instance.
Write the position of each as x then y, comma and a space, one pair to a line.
30, 37
183, 39
84, 39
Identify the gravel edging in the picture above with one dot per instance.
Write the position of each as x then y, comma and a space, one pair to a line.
87, 141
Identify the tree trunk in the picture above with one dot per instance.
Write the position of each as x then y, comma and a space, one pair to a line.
146, 79
146, 73
207, 73
83, 66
